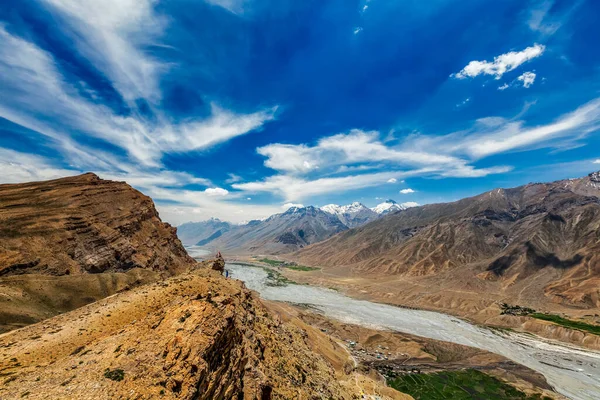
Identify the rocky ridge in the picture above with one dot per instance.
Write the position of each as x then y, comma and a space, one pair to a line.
193, 336
83, 224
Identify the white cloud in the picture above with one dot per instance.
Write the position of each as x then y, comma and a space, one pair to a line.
357, 30
596, 161
503, 87
511, 135
342, 150
287, 206
32, 85
392, 180
407, 191
294, 189
112, 34
233, 178
248, 198
527, 78
409, 204
20, 167
501, 64
216, 191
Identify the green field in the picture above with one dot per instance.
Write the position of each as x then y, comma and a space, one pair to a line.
276, 263
582, 326
469, 384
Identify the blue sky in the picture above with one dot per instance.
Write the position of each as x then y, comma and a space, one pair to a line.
235, 108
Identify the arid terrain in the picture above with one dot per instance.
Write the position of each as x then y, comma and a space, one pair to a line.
535, 246
68, 242
115, 308
196, 335
386, 351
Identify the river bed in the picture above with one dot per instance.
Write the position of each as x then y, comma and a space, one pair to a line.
574, 372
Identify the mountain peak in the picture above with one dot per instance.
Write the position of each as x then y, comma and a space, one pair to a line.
387, 207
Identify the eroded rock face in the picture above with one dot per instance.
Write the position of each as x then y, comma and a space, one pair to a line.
83, 224
193, 336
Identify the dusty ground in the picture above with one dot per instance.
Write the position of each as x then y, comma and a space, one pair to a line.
30, 298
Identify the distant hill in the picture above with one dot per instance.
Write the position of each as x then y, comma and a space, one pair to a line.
201, 233
285, 232
546, 235
280, 233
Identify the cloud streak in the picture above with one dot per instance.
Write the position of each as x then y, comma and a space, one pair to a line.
501, 64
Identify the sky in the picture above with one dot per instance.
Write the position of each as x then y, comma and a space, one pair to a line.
237, 109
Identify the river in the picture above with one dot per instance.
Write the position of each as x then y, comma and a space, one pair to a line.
574, 372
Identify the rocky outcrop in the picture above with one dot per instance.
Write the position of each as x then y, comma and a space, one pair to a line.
83, 224
194, 336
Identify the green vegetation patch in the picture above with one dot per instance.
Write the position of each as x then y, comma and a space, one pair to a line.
300, 268
582, 326
274, 263
115, 374
274, 278
288, 265
467, 384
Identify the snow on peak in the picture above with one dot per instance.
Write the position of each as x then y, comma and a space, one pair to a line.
388, 206
331, 209
348, 209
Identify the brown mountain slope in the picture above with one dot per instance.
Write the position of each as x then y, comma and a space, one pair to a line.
83, 224
538, 241
68, 242
193, 336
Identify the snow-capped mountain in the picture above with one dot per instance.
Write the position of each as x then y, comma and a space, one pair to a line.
351, 215
388, 206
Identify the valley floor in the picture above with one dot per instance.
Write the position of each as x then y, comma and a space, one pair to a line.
429, 294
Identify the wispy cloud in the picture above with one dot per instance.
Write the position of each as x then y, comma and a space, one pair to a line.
454, 156
547, 16
596, 161
294, 188
502, 64
37, 94
345, 149
113, 34
22, 167
233, 6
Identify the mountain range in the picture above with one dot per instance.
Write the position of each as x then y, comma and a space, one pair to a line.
285, 232
529, 244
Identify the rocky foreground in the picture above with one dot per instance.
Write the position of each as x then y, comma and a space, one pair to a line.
193, 336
